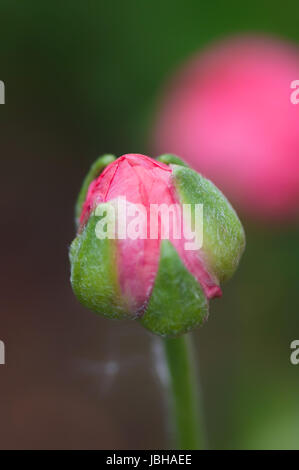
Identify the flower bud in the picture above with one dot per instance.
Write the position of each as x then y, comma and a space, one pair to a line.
154, 241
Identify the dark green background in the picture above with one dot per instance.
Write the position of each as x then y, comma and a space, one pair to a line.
82, 78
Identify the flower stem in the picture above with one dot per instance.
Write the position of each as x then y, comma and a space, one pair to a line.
186, 410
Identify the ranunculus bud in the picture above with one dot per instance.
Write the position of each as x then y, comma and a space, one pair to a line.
154, 241
229, 112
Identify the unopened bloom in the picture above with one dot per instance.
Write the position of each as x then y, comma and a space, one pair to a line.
157, 279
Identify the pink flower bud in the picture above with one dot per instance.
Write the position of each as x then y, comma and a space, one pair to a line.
133, 273
228, 112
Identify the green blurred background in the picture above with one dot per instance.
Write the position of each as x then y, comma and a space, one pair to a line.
82, 78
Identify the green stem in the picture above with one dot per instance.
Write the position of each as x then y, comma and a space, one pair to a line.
186, 410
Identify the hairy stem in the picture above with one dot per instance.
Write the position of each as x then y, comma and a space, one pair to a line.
184, 392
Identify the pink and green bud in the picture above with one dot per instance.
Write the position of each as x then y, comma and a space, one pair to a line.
155, 240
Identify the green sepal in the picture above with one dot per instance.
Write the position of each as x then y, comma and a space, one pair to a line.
168, 159
177, 303
96, 168
94, 273
223, 234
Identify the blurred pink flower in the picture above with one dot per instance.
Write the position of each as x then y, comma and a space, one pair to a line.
228, 113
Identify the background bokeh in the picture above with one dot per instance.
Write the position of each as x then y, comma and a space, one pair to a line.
82, 78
